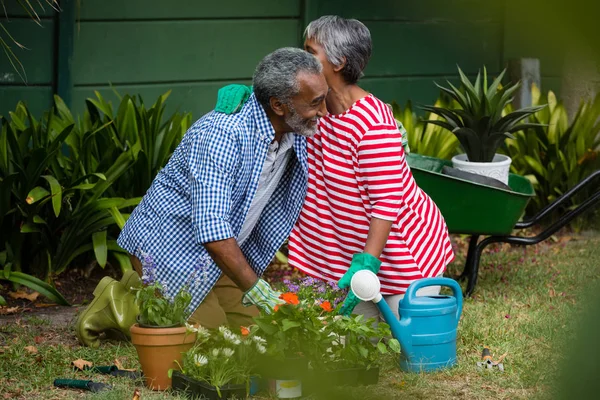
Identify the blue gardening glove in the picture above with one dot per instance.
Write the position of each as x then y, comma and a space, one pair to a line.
350, 302
231, 98
360, 261
262, 296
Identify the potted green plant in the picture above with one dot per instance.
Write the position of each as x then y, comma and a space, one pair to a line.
355, 354
160, 336
221, 364
296, 334
480, 124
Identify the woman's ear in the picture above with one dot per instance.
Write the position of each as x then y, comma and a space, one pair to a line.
277, 106
338, 68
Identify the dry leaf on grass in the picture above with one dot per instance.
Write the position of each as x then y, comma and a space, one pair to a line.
8, 310
3, 348
38, 339
81, 364
31, 349
120, 366
41, 305
136, 395
24, 295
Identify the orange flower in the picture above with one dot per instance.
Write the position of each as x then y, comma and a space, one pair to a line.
290, 298
276, 307
326, 306
245, 331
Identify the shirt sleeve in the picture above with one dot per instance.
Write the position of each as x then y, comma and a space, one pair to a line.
382, 168
212, 162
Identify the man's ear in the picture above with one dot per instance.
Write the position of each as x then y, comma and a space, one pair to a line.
338, 68
277, 106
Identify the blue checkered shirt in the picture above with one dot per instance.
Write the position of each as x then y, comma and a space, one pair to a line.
203, 195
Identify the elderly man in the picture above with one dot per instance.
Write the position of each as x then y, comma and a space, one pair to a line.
228, 197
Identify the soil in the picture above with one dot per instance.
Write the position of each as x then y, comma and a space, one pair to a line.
76, 285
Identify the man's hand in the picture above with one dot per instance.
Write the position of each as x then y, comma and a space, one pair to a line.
262, 296
231, 260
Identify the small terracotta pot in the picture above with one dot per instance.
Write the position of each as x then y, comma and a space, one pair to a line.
158, 349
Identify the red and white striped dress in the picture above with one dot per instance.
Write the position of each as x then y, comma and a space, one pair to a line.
357, 170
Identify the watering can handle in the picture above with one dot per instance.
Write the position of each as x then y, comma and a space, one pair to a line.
411, 293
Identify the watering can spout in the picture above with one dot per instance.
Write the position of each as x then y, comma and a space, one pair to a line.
398, 330
366, 286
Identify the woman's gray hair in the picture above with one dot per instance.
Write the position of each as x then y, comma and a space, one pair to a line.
341, 39
276, 75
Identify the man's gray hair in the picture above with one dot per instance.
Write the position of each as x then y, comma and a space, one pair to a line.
343, 39
276, 74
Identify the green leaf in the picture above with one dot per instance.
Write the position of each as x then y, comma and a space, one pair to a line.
29, 228
363, 351
267, 327
381, 347
39, 286
123, 260
394, 345
39, 220
7, 270
36, 194
100, 249
287, 324
56, 190
536, 166
84, 186
117, 216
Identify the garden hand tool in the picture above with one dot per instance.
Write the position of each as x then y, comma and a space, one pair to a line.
488, 362
427, 326
262, 296
92, 386
360, 261
113, 307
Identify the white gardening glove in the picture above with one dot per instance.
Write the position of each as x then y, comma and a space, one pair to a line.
262, 296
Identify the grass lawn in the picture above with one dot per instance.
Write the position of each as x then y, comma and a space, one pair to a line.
526, 305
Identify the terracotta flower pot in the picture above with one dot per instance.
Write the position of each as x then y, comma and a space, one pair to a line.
158, 349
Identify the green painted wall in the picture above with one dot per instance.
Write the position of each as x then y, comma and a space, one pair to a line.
194, 47
151, 46
37, 60
421, 41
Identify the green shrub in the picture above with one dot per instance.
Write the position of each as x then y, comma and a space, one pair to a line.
66, 186
425, 138
557, 156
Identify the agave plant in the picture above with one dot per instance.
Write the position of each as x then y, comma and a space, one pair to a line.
478, 122
423, 138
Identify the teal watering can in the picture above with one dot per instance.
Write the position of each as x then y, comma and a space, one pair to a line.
427, 326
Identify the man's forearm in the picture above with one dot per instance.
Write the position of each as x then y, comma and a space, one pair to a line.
379, 231
231, 260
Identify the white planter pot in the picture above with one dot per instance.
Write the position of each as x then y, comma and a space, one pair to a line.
497, 169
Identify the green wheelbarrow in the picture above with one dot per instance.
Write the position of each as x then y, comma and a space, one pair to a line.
481, 210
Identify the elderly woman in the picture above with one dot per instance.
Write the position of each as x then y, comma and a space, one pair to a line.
363, 209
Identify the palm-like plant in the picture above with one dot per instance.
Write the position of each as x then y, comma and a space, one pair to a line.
479, 124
